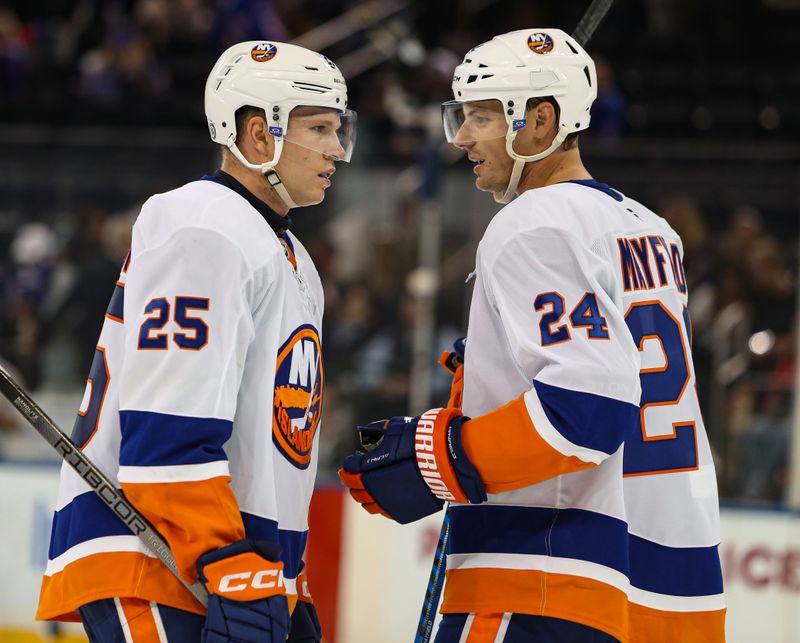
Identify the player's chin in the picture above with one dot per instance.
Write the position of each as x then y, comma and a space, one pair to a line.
485, 185
312, 196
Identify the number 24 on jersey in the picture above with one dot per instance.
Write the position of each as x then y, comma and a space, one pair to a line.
663, 387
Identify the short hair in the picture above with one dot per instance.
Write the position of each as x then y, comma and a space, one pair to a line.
572, 138
244, 114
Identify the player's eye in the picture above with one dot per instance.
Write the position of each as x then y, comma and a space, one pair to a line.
321, 129
477, 119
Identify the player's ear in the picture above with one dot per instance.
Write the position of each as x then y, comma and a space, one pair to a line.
543, 117
258, 136
539, 130
528, 139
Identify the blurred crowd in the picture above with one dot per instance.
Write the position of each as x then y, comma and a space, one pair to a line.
144, 61
99, 54
125, 63
743, 305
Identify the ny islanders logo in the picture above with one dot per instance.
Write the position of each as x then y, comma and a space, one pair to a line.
540, 43
263, 52
298, 395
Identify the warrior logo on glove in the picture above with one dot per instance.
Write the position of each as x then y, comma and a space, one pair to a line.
298, 395
412, 466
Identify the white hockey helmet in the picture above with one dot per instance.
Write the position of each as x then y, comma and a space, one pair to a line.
275, 77
515, 67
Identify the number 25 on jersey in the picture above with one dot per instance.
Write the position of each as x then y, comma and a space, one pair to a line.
158, 309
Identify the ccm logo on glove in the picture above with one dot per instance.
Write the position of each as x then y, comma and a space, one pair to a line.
264, 579
246, 573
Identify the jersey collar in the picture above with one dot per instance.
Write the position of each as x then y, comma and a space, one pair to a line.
591, 183
277, 222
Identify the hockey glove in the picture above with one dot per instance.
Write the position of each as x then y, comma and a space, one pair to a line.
305, 623
416, 465
453, 361
246, 595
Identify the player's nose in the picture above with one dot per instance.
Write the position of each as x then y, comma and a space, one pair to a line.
336, 151
462, 140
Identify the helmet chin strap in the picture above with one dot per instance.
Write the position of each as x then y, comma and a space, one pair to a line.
520, 161
269, 171
513, 182
275, 181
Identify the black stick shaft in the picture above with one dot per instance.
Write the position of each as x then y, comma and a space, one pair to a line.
590, 21
102, 486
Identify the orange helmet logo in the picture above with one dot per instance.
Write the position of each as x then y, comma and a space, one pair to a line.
263, 52
540, 43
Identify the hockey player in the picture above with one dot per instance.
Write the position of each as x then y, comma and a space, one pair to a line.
204, 397
584, 501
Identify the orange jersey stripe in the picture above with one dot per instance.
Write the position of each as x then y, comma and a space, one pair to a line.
139, 620
582, 600
193, 517
114, 575
508, 452
484, 628
110, 575
654, 626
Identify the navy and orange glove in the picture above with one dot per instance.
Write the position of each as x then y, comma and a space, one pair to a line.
453, 361
246, 595
414, 466
305, 622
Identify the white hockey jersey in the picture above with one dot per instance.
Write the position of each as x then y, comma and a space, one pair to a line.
203, 402
586, 427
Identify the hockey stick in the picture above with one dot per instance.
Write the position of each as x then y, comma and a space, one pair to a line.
590, 21
102, 486
582, 33
435, 582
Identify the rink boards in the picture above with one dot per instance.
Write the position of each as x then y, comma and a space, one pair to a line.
368, 576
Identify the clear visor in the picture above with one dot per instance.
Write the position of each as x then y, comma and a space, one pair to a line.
327, 131
474, 121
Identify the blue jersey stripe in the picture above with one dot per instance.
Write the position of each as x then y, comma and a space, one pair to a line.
116, 306
157, 439
676, 571
588, 420
292, 542
564, 533
87, 518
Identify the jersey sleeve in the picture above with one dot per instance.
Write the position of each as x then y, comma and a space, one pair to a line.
188, 326
569, 339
